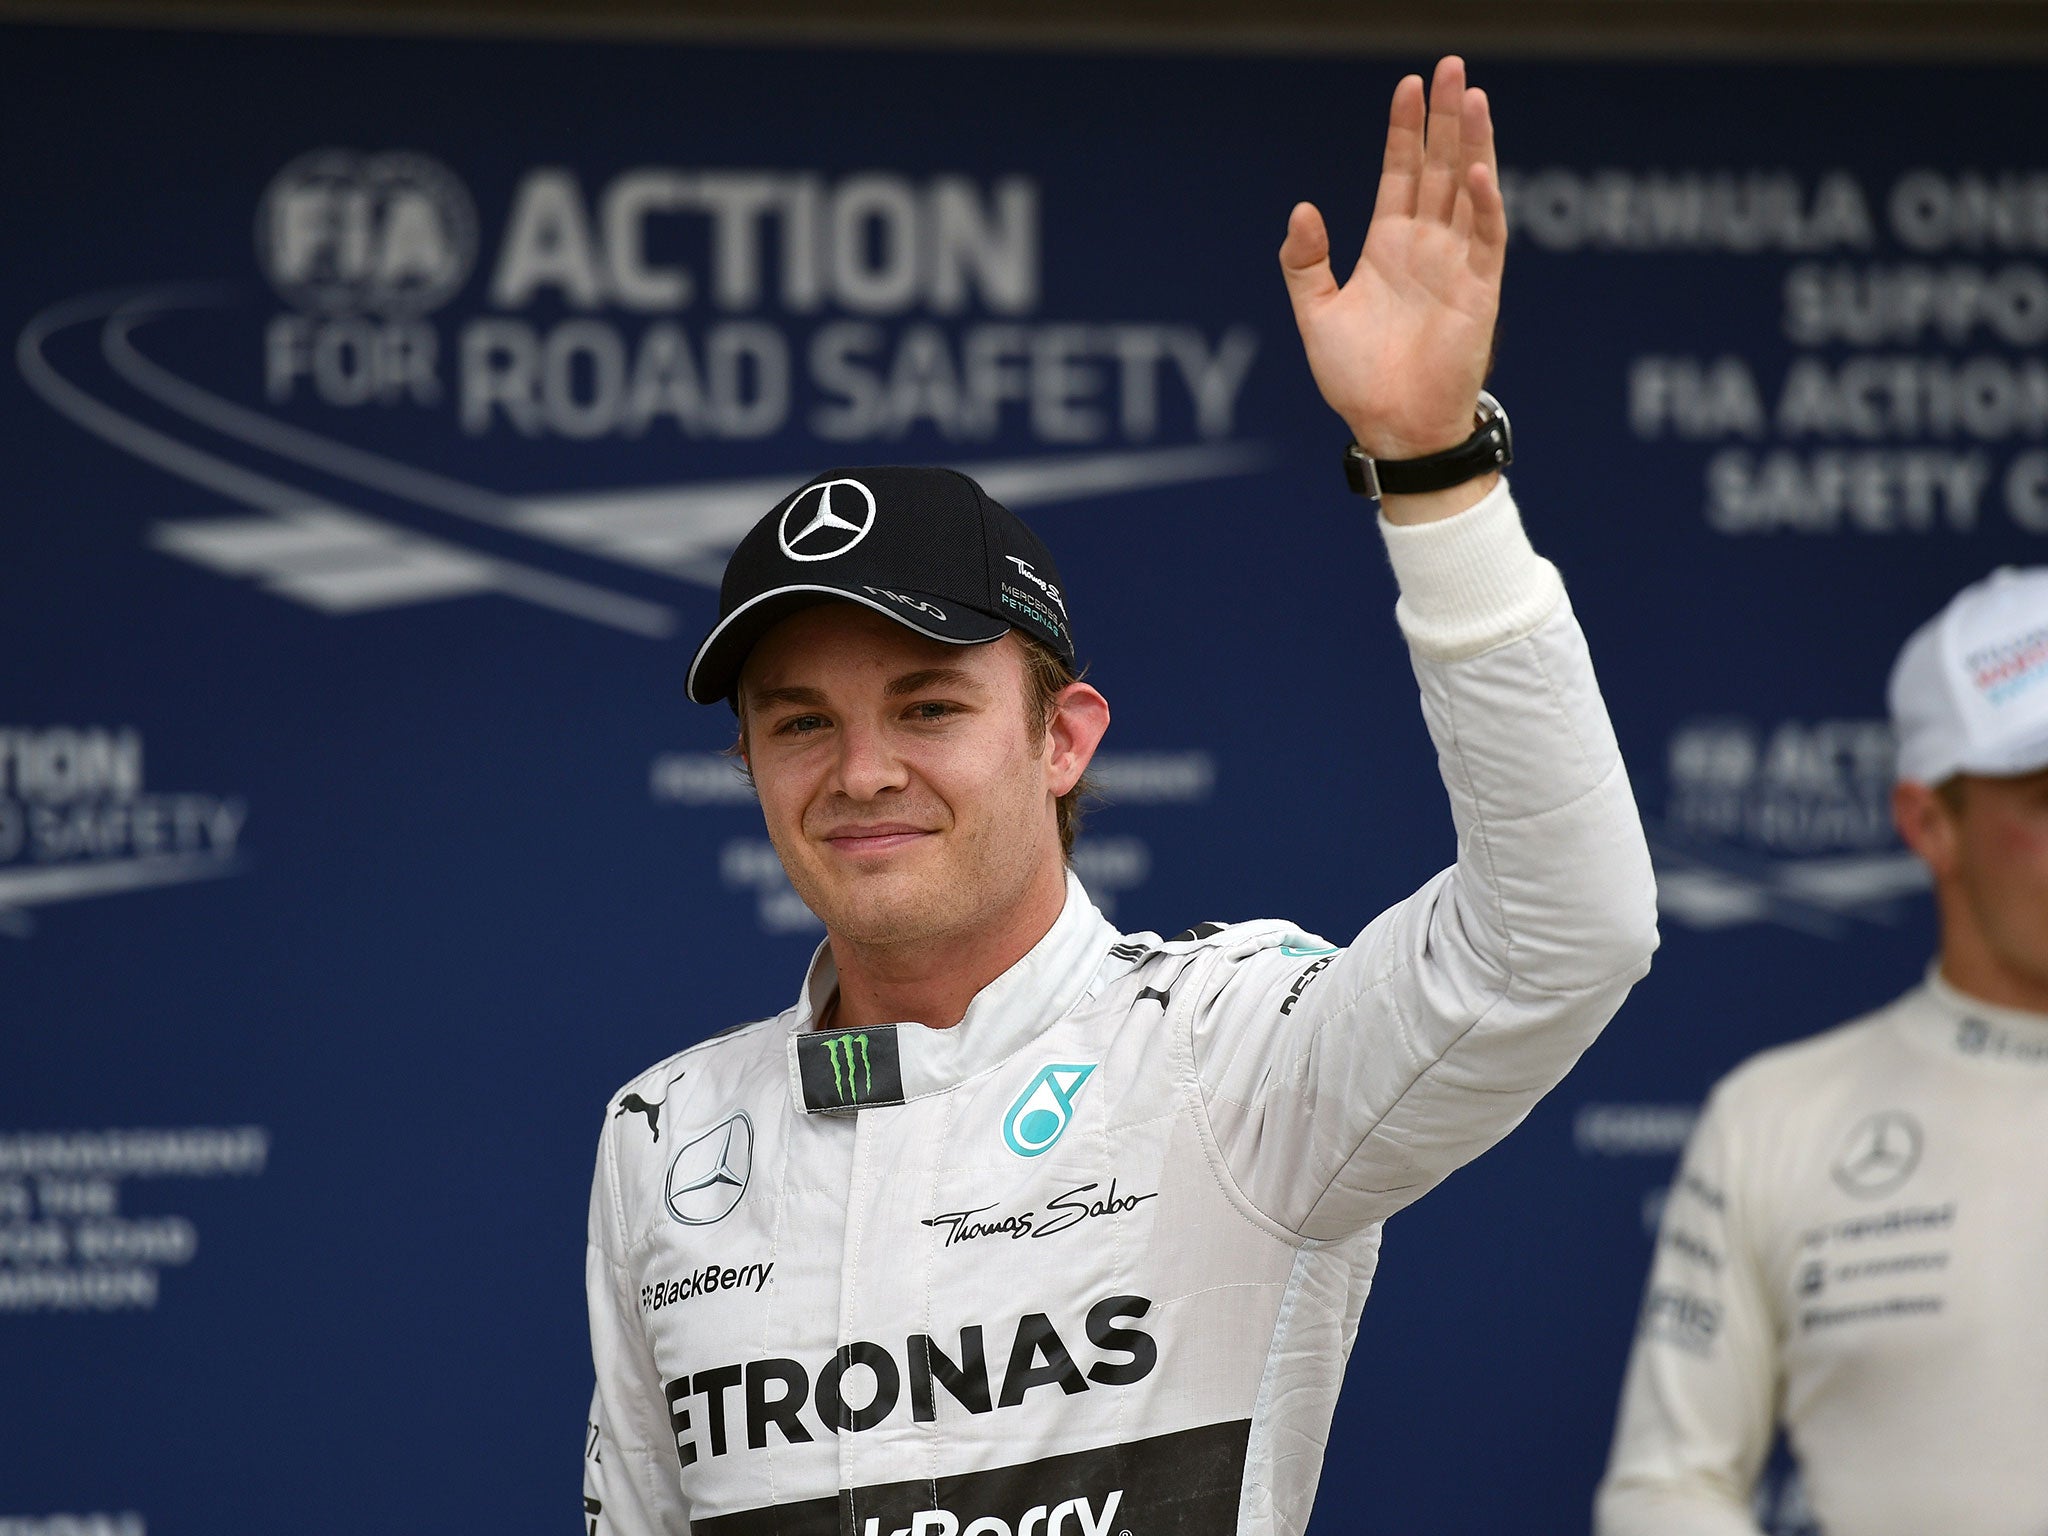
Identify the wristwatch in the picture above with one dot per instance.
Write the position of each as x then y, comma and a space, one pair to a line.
1491, 446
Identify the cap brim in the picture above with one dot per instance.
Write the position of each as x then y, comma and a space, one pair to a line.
2011, 760
715, 671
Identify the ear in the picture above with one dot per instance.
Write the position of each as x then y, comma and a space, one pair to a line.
1080, 716
1926, 825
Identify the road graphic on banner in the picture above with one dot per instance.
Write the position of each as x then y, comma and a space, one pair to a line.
316, 549
310, 547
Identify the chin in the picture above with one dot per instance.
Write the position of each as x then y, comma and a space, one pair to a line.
887, 923
876, 909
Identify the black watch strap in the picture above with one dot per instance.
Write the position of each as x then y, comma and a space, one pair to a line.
1491, 446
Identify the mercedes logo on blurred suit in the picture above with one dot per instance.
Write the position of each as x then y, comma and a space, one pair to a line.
1880, 1154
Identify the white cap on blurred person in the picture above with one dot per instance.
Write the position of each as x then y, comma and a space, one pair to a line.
1969, 692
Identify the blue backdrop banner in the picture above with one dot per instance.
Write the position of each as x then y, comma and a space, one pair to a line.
381, 414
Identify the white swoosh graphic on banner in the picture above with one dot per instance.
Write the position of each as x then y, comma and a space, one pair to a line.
279, 437
344, 560
309, 548
74, 882
679, 530
1813, 895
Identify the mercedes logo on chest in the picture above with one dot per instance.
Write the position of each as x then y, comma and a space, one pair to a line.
826, 520
709, 1175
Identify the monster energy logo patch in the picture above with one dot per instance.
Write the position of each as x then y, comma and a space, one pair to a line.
839, 1051
845, 1070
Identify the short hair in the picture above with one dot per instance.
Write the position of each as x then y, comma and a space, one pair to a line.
1046, 677
1950, 792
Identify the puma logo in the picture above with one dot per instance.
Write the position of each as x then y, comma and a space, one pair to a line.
639, 1106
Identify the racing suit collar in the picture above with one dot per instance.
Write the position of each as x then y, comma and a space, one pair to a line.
1957, 1024
1005, 1016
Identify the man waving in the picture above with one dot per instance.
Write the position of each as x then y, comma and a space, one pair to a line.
1016, 1225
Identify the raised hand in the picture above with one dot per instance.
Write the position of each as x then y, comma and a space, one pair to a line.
1400, 350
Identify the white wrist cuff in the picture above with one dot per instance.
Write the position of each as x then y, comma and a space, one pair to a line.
1470, 582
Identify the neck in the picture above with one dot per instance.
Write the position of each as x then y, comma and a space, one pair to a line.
1974, 967
1998, 988
932, 980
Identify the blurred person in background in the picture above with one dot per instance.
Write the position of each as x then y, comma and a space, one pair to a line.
1856, 1247
1015, 1225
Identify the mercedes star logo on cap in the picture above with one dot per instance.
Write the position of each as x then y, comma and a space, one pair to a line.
823, 531
709, 1175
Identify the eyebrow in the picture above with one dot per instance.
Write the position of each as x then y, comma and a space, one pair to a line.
763, 698
799, 697
932, 677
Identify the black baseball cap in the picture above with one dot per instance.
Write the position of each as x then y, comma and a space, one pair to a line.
927, 547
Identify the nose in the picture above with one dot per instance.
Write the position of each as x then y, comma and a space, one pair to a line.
869, 763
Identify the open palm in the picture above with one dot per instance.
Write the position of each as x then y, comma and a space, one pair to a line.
1400, 350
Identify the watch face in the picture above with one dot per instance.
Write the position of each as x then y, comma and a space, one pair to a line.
1491, 409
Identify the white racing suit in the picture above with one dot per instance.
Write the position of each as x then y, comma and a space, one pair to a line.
1857, 1248
1091, 1262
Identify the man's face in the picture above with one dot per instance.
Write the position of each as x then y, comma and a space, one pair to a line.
1989, 850
2002, 868
904, 787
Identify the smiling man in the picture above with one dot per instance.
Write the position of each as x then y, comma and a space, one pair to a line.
1016, 1225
